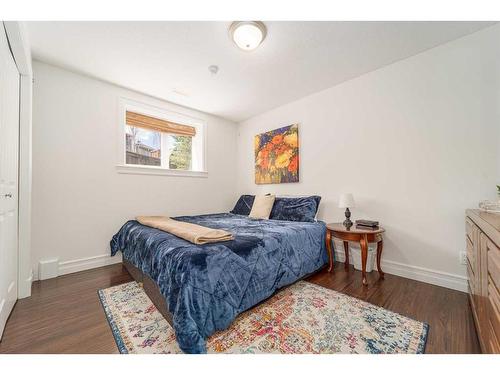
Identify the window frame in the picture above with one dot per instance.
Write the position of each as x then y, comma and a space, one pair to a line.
199, 151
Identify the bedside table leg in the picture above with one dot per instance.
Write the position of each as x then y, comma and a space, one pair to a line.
346, 252
329, 249
380, 246
364, 255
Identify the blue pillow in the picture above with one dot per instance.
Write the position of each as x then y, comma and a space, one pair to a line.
244, 205
296, 208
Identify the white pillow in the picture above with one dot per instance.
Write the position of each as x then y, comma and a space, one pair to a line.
262, 206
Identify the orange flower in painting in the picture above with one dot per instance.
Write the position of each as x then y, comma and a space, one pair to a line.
269, 146
263, 154
294, 163
277, 139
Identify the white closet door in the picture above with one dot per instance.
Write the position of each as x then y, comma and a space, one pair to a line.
9, 157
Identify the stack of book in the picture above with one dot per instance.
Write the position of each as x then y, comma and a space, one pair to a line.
366, 224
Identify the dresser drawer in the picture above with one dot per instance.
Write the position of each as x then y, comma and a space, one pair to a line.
472, 279
469, 229
471, 254
494, 344
493, 262
494, 307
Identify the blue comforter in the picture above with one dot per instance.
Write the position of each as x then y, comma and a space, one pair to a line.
207, 286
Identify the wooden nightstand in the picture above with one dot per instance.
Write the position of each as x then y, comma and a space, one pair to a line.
363, 236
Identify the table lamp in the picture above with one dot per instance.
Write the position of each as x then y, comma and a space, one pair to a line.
347, 201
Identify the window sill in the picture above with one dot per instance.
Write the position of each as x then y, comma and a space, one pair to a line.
132, 169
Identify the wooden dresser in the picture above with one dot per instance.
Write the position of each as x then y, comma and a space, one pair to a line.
483, 271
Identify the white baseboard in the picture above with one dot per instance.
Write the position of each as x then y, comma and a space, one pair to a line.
82, 264
425, 275
24, 288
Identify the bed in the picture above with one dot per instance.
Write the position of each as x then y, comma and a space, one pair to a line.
201, 289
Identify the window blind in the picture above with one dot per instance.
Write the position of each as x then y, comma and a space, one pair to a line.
152, 123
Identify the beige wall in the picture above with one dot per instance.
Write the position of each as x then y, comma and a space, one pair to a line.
416, 142
79, 199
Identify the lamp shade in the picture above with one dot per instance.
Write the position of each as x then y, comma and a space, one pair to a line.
346, 201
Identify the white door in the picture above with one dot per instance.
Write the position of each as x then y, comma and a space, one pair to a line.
9, 156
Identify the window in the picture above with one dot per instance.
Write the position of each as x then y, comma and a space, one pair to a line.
156, 140
143, 147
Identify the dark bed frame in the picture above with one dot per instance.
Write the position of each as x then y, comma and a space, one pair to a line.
151, 290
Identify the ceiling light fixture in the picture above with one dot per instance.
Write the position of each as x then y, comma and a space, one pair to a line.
247, 35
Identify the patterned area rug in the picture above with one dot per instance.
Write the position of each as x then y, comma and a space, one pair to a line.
303, 318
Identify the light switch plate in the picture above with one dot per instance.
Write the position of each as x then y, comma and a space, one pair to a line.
463, 258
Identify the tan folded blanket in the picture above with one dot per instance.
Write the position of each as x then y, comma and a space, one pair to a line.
196, 234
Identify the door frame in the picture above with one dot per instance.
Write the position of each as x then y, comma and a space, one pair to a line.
20, 48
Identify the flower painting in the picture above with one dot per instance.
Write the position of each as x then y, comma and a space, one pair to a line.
277, 156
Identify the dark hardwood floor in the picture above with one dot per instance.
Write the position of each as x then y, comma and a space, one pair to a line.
64, 315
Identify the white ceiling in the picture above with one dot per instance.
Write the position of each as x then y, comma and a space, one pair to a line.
170, 60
